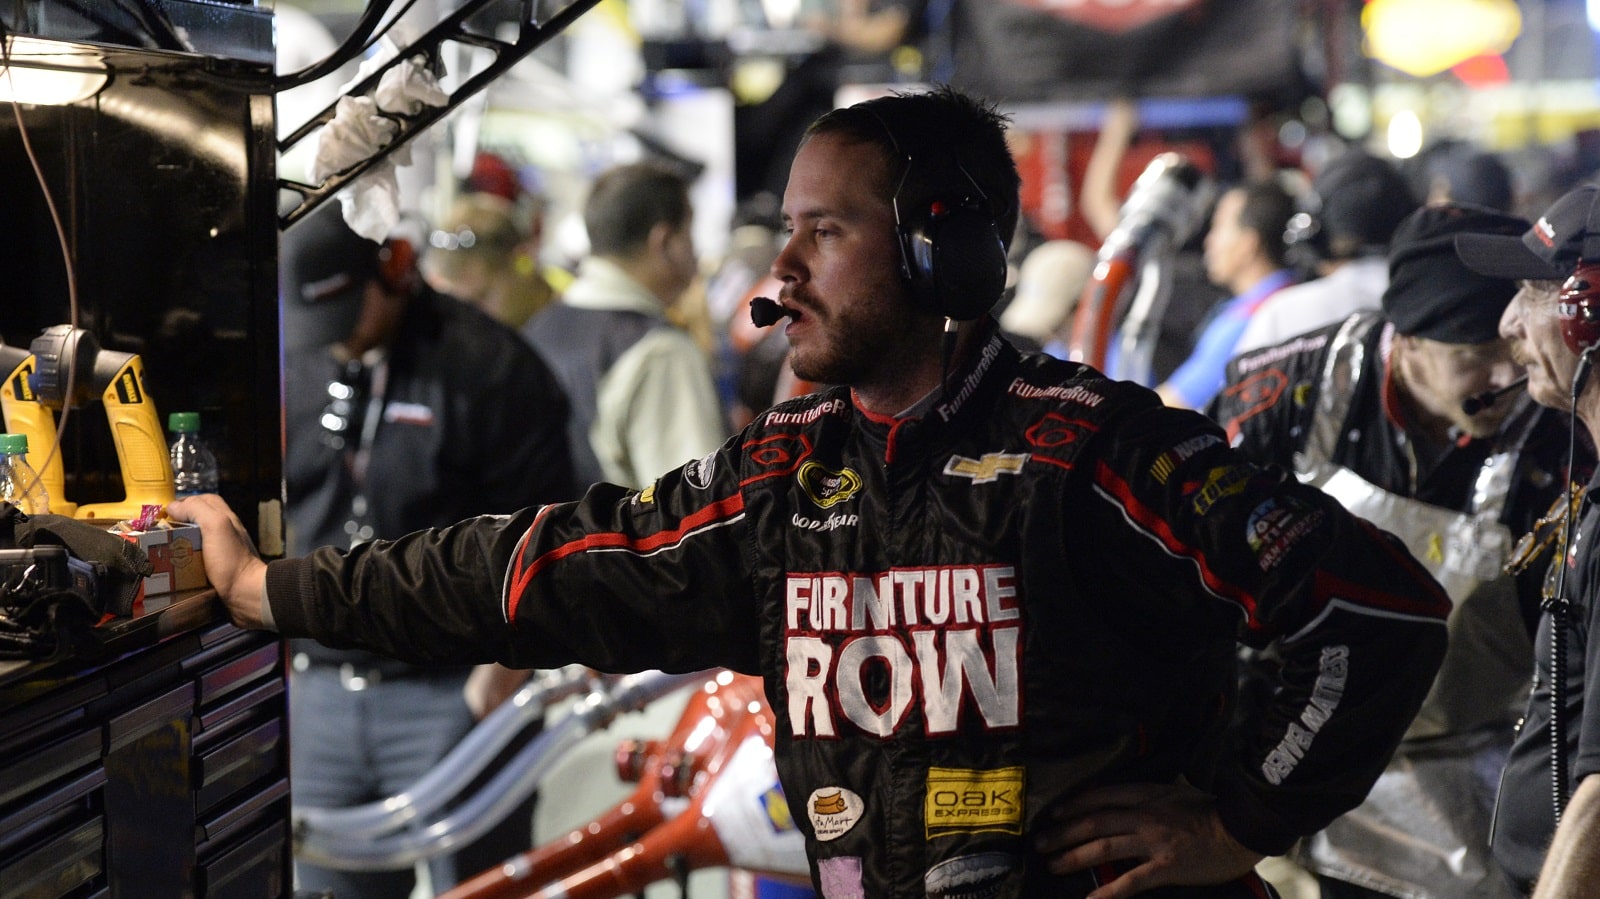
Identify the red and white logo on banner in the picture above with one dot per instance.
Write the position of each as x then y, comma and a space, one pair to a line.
1111, 16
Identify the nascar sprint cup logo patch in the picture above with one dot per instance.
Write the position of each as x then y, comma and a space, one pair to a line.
828, 488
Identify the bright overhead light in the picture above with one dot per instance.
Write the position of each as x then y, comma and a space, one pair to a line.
1426, 37
44, 73
1405, 134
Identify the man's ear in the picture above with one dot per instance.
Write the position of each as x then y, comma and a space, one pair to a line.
1258, 244
660, 234
1403, 348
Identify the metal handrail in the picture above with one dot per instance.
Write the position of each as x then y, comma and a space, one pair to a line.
422, 823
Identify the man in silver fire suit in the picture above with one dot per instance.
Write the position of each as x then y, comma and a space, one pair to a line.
995, 598
1383, 411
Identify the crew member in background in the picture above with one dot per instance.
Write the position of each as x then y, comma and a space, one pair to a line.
1244, 252
962, 571
1340, 237
1370, 410
482, 255
643, 399
404, 409
1552, 322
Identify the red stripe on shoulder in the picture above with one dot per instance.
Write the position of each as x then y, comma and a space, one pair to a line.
1159, 528
722, 510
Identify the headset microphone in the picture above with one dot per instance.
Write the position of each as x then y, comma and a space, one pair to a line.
766, 312
1476, 403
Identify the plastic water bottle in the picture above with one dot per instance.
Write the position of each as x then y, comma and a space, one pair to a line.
19, 483
194, 467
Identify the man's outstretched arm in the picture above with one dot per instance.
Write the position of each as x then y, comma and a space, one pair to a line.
232, 565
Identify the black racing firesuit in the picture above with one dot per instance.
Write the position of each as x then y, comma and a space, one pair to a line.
1334, 389
1028, 586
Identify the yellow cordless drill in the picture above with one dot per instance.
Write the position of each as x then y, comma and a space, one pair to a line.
70, 367
24, 414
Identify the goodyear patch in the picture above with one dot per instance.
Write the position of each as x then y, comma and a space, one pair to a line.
1220, 483
963, 800
833, 811
986, 469
828, 488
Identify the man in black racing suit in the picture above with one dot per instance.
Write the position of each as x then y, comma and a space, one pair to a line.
995, 601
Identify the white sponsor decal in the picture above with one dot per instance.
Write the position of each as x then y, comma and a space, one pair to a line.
833, 811
698, 473
832, 523
1248, 364
948, 637
1071, 394
1332, 671
970, 383
407, 414
977, 876
831, 407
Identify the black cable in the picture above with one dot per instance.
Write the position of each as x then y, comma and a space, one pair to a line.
1559, 608
361, 39
359, 42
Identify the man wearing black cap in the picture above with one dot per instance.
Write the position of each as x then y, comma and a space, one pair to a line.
1552, 325
403, 409
1371, 410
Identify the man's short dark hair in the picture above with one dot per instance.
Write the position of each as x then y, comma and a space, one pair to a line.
626, 202
948, 136
1268, 206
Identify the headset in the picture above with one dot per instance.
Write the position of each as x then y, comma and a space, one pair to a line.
951, 254
1351, 209
1578, 308
1304, 244
397, 265
1580, 331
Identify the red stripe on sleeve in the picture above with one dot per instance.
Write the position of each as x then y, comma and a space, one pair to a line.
721, 510
1158, 527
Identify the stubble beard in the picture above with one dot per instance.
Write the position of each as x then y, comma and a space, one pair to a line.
857, 350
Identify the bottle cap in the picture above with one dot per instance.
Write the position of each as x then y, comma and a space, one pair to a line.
13, 443
183, 422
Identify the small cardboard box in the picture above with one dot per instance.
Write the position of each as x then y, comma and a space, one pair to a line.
175, 554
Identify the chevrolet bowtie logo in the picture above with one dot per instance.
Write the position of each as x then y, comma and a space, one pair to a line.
987, 469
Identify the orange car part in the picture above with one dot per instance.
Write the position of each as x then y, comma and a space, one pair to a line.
637, 842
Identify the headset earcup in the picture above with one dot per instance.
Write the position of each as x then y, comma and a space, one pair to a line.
1578, 309
956, 262
1303, 241
397, 265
